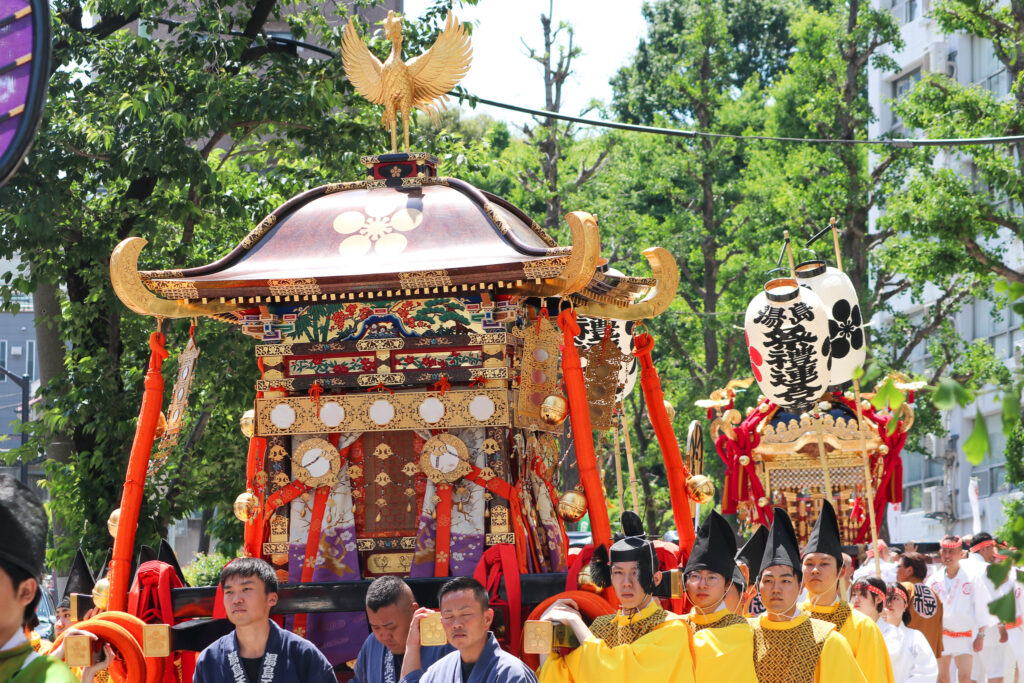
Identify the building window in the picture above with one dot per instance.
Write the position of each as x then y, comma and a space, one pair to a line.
3, 359
919, 472
30, 359
24, 302
906, 11
904, 84
986, 69
991, 473
900, 88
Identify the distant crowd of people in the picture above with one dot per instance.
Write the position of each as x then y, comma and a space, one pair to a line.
769, 612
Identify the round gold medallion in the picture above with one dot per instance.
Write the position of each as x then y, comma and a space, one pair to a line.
700, 488
315, 463
572, 505
445, 459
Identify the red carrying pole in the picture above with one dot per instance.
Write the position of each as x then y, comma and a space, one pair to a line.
135, 480
675, 470
253, 532
582, 433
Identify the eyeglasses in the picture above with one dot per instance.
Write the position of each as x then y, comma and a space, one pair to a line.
707, 580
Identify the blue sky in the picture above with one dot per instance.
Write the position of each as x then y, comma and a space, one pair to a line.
606, 31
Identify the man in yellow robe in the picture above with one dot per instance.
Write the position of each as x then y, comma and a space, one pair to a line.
790, 647
641, 641
822, 563
724, 641
748, 561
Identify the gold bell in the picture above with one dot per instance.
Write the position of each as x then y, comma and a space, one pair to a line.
161, 426
572, 505
670, 410
245, 506
101, 593
554, 410
112, 521
585, 581
247, 423
700, 488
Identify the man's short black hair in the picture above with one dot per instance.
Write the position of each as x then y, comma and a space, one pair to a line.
250, 566
917, 564
465, 583
18, 577
385, 591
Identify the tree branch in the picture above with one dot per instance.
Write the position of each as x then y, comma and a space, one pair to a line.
996, 266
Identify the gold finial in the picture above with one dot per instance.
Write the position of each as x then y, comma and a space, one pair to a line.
422, 82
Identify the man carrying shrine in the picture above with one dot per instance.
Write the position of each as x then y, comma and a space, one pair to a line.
389, 611
789, 646
466, 617
990, 662
641, 641
258, 650
723, 640
23, 528
925, 608
965, 615
822, 561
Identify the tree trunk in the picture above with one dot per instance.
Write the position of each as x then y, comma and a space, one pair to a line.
204, 536
50, 355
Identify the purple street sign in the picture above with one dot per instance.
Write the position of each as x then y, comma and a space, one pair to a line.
24, 72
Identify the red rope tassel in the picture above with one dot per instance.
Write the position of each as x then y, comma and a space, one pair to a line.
135, 479
675, 470
582, 433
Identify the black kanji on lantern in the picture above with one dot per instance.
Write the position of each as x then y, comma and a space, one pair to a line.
792, 353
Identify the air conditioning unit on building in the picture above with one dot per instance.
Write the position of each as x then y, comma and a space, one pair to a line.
933, 500
936, 57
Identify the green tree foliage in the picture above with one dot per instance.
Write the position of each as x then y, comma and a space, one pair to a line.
185, 134
967, 213
682, 194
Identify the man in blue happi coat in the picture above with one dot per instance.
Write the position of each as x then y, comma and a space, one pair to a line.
478, 658
390, 607
259, 651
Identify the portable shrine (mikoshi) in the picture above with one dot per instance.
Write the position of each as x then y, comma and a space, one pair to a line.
419, 344
812, 435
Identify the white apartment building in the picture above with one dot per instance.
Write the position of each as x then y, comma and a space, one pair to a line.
936, 483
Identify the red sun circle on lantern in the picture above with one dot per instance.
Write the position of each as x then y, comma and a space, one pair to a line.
755, 357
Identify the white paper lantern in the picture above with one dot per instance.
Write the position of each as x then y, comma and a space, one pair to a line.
592, 332
786, 329
846, 342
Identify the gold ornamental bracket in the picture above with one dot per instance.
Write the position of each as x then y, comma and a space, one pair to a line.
128, 285
657, 301
582, 262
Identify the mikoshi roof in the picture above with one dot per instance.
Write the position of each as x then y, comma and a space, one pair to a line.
373, 239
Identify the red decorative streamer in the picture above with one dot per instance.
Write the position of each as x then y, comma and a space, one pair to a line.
316, 522
582, 433
443, 541
135, 479
675, 470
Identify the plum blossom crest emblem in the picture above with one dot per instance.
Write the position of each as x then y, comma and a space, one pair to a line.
379, 228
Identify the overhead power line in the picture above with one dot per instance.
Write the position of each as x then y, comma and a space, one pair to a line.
683, 133
636, 128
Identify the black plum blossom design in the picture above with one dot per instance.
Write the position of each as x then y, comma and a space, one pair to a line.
844, 331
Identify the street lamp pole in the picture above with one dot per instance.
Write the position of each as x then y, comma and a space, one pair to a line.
23, 383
